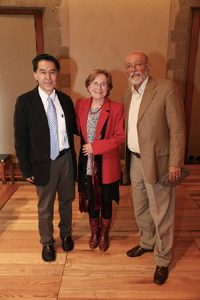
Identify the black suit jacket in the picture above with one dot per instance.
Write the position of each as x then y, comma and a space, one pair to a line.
32, 137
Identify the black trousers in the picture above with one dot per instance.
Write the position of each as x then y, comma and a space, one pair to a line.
62, 182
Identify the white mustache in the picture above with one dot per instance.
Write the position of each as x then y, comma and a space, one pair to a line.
135, 73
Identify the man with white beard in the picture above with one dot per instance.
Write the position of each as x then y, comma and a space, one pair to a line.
155, 144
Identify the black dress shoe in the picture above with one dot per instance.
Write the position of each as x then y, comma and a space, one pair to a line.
137, 251
160, 275
48, 253
67, 244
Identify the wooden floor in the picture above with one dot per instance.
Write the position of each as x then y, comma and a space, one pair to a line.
91, 274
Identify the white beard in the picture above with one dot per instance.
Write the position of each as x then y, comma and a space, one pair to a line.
136, 81
140, 78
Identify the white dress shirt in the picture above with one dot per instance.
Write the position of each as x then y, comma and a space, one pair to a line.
136, 99
62, 132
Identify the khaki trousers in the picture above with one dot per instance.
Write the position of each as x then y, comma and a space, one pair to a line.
154, 209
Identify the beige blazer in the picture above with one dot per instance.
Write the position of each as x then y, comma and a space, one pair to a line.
161, 129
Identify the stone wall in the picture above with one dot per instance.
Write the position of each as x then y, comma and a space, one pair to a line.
179, 40
55, 29
56, 35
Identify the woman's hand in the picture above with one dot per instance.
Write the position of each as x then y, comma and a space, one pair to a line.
87, 149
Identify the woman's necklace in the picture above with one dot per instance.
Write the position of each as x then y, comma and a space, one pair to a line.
95, 112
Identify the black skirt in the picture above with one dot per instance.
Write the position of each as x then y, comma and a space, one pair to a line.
109, 191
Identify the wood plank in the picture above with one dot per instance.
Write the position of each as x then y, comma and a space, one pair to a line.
127, 294
196, 237
29, 287
90, 274
6, 191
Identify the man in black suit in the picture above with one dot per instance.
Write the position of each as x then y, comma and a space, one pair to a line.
44, 123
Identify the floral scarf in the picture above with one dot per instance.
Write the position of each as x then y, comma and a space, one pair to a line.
96, 176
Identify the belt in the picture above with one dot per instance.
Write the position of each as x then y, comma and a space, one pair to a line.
61, 153
136, 154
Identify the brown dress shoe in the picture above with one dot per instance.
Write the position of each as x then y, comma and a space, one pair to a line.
160, 275
137, 251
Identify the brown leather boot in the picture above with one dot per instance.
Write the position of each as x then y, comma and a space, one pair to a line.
94, 239
103, 240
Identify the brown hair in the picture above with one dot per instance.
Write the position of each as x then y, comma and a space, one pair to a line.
93, 75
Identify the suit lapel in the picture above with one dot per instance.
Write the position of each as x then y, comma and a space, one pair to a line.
83, 118
39, 107
103, 117
148, 96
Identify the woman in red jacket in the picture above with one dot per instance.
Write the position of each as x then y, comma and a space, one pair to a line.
100, 124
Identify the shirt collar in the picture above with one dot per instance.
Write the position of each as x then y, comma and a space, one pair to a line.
43, 95
141, 88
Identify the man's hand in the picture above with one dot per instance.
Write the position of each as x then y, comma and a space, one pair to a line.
174, 173
87, 149
30, 179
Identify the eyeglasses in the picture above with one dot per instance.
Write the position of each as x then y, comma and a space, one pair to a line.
102, 84
136, 66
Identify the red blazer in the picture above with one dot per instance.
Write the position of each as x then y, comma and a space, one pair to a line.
114, 136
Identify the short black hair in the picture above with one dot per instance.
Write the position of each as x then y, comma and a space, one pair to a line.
45, 57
